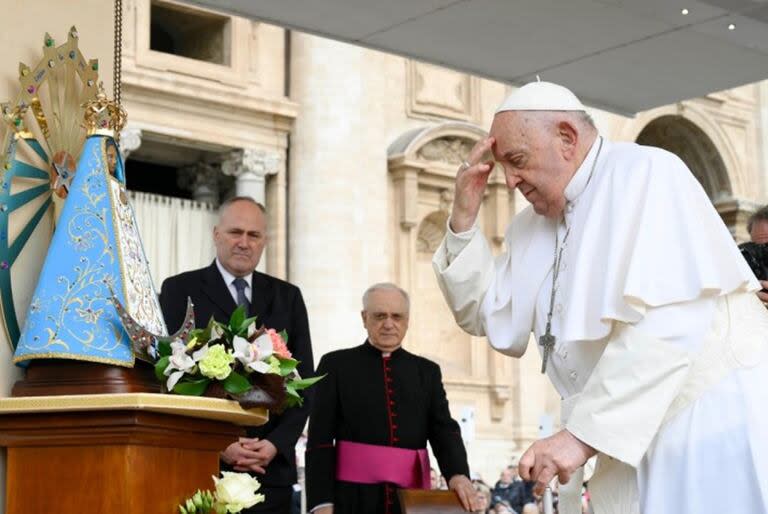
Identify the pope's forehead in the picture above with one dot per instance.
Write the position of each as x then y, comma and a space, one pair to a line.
511, 129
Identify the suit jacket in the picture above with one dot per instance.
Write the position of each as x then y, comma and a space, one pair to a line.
387, 401
278, 305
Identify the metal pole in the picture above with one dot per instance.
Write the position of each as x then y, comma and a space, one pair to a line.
547, 501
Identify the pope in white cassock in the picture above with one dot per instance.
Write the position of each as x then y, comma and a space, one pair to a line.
643, 308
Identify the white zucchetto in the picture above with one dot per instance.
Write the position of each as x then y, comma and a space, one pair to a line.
541, 96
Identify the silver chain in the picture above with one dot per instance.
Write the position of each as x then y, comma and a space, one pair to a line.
559, 250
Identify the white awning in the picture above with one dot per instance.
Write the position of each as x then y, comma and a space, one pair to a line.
624, 56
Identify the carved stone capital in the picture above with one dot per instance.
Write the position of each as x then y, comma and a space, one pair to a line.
130, 140
251, 161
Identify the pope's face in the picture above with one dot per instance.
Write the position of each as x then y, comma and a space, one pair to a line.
386, 319
536, 159
240, 237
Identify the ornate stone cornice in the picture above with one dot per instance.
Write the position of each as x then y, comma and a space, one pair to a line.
452, 150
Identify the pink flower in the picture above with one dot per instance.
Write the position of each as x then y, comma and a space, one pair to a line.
278, 345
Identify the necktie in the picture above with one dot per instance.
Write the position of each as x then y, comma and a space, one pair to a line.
240, 284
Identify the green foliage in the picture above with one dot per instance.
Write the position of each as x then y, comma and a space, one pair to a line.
196, 333
192, 387
160, 366
287, 366
292, 388
202, 502
303, 383
164, 348
292, 397
244, 326
237, 319
236, 383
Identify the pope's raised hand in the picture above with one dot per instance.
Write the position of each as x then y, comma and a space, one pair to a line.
470, 186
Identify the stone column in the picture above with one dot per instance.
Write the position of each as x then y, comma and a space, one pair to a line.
250, 168
339, 205
203, 180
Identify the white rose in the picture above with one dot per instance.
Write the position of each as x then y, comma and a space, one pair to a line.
237, 491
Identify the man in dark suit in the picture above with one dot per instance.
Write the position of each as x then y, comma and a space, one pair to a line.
216, 291
373, 415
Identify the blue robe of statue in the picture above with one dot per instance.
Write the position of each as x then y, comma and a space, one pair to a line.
96, 248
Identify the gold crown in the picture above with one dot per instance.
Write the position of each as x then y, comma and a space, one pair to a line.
103, 116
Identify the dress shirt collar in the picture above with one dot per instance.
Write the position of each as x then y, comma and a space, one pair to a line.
579, 180
229, 277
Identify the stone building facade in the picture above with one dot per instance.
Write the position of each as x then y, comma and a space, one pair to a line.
354, 152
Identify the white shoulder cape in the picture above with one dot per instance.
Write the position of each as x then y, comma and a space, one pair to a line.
644, 234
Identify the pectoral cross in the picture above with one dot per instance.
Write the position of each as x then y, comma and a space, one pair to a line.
547, 342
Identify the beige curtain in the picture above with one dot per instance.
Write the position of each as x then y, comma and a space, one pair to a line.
177, 233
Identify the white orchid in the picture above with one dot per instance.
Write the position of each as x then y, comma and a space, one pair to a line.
199, 354
216, 332
179, 363
252, 355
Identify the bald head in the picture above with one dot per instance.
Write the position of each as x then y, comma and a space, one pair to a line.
240, 235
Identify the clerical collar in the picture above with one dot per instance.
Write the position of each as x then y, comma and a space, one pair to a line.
580, 179
379, 352
229, 277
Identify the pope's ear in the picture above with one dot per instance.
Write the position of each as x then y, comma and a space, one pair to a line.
569, 137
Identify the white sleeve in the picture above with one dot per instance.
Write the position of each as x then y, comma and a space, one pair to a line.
463, 264
638, 376
456, 242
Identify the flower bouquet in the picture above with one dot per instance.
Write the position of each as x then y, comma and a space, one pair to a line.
236, 360
233, 493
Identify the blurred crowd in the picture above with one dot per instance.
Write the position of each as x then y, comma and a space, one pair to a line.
509, 495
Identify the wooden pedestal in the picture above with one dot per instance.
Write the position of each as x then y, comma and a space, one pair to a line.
44, 377
135, 459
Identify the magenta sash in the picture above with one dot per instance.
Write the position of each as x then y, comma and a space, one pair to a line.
372, 464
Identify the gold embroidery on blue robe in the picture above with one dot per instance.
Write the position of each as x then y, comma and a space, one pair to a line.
96, 249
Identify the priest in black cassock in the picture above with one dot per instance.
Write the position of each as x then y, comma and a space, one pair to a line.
372, 417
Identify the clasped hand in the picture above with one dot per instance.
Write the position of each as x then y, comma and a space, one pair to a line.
249, 454
556, 456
